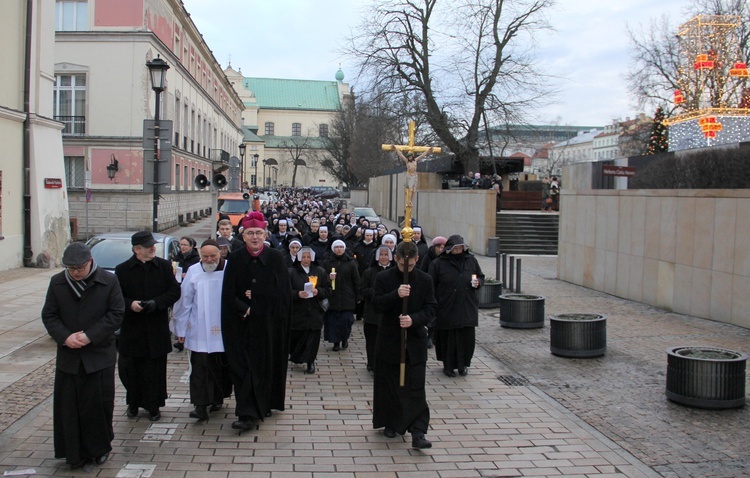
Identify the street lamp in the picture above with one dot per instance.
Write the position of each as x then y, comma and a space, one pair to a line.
242, 165
157, 69
112, 168
256, 156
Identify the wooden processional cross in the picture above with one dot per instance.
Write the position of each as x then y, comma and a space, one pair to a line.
407, 232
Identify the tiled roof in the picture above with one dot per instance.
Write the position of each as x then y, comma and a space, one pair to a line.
276, 93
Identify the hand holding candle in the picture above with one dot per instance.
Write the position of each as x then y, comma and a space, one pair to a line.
333, 278
474, 281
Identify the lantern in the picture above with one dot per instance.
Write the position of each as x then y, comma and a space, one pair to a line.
740, 69
678, 98
703, 63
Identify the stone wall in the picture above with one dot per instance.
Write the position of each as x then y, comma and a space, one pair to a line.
122, 211
440, 212
682, 250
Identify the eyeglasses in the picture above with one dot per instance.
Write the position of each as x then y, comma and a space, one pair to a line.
254, 233
77, 268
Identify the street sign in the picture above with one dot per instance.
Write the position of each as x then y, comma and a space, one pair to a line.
624, 171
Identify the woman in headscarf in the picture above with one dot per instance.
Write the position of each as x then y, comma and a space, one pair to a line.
291, 257
457, 275
383, 260
344, 276
307, 309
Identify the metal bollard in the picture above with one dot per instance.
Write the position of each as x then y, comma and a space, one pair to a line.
497, 268
511, 273
518, 275
504, 270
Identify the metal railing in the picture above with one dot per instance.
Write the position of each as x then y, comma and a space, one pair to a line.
74, 125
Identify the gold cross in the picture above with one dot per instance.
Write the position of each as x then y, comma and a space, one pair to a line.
410, 148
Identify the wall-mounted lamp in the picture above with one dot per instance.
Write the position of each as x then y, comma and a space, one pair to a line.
112, 168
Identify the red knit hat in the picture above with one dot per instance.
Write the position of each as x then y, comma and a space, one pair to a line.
254, 219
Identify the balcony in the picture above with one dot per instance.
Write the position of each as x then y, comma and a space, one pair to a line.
74, 125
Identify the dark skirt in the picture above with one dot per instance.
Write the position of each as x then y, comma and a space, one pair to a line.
455, 347
83, 407
145, 381
399, 408
210, 383
304, 345
338, 325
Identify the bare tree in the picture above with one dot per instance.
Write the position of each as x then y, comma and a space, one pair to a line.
663, 61
458, 56
295, 147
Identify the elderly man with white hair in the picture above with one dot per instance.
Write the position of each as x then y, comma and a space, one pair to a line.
343, 272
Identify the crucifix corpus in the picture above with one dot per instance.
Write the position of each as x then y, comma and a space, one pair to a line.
410, 189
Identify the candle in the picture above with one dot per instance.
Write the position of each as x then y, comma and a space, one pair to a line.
333, 282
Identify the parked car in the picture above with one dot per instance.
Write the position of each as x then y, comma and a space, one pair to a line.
325, 192
368, 212
113, 248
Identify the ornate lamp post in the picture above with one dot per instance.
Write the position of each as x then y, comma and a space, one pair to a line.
242, 147
157, 69
255, 157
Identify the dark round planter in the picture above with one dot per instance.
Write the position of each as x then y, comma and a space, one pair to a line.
578, 335
521, 311
706, 377
488, 295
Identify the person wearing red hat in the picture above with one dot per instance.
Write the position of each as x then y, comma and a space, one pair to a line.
255, 323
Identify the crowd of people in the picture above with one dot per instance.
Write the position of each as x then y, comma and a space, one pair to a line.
296, 272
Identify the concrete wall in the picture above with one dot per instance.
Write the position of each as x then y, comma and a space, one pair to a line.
681, 250
118, 211
440, 212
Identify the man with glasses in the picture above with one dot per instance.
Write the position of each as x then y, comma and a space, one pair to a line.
82, 311
255, 321
150, 289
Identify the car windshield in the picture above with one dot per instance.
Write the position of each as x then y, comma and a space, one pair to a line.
364, 211
233, 206
108, 253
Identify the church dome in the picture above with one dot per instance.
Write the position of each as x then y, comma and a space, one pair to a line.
339, 75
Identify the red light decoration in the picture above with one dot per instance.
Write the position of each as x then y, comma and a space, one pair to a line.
740, 70
678, 97
710, 126
703, 63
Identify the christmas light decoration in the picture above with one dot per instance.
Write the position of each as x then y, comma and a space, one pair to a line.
712, 97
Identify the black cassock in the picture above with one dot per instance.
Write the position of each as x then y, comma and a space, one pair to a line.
257, 346
402, 408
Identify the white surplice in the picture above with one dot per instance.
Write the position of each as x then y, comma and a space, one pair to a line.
197, 315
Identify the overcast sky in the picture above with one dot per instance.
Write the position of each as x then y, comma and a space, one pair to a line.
299, 39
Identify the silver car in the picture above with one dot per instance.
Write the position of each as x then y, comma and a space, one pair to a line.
113, 248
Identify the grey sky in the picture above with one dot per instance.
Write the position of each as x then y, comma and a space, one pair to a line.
299, 38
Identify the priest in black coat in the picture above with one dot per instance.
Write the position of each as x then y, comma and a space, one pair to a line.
401, 409
255, 324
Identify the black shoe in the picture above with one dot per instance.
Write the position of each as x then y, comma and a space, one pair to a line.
310, 368
132, 411
449, 373
243, 424
336, 347
80, 464
345, 344
269, 413
464, 371
200, 413
180, 347
429, 343
154, 415
389, 433
101, 459
216, 407
369, 367
419, 441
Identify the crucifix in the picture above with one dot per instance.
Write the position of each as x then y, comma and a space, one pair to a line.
410, 188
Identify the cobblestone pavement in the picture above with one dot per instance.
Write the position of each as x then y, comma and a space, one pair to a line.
520, 412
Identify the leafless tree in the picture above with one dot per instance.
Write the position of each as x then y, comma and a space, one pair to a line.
459, 56
295, 147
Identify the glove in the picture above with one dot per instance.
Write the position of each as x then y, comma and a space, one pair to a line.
148, 306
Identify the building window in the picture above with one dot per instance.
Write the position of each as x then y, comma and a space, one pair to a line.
75, 171
269, 129
296, 129
185, 178
71, 15
323, 130
176, 177
69, 103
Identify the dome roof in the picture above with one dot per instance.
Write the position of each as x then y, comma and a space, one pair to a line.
339, 75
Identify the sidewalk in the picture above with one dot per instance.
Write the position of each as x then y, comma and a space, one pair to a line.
520, 412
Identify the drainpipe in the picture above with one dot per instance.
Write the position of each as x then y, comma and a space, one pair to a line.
27, 252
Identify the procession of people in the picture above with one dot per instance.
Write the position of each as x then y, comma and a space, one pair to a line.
297, 272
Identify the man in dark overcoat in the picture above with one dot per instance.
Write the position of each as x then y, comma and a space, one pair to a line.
149, 287
401, 409
255, 318
82, 311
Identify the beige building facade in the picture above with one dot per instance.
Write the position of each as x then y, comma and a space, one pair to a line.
103, 94
34, 225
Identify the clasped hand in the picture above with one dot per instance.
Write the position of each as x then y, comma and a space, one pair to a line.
77, 340
404, 290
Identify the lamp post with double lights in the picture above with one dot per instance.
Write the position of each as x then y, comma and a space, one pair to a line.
157, 69
255, 157
242, 147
